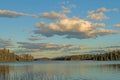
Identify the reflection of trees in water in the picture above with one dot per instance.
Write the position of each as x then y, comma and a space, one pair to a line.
109, 67
25, 73
7, 74
42, 76
115, 67
4, 72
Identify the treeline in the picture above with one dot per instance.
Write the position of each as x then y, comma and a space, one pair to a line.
7, 56
113, 55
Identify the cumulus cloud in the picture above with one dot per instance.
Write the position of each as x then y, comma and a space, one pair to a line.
72, 28
99, 14
101, 32
53, 15
117, 25
5, 43
58, 15
13, 14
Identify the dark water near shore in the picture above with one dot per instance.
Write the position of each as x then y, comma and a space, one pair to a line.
61, 70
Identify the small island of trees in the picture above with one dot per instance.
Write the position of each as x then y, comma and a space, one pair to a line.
7, 56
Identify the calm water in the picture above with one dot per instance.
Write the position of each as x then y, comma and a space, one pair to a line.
61, 70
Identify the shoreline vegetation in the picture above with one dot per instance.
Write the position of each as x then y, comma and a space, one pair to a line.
114, 55
108, 56
7, 56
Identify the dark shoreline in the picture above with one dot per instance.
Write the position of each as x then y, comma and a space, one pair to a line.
110, 56
7, 56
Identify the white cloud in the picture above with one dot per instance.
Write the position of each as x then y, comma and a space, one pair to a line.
117, 25
72, 28
13, 14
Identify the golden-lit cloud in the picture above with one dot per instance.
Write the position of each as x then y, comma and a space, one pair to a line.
72, 28
117, 25
99, 14
53, 15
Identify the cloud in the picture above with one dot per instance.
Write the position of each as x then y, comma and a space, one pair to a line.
117, 25
97, 51
13, 14
65, 10
48, 48
45, 15
66, 7
99, 15
23, 51
72, 28
114, 10
101, 32
74, 49
34, 38
53, 15
99, 24
43, 46
102, 10
117, 46
104, 49
5, 43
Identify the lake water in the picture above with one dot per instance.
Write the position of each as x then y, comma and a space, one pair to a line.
61, 70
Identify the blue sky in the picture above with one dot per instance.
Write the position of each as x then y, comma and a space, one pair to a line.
59, 27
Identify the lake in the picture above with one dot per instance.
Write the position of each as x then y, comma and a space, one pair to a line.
61, 70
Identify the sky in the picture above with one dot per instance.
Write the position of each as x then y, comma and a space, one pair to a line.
45, 28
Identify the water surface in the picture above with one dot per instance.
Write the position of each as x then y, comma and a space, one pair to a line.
61, 70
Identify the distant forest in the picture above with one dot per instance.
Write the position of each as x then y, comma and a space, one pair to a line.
7, 56
108, 56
